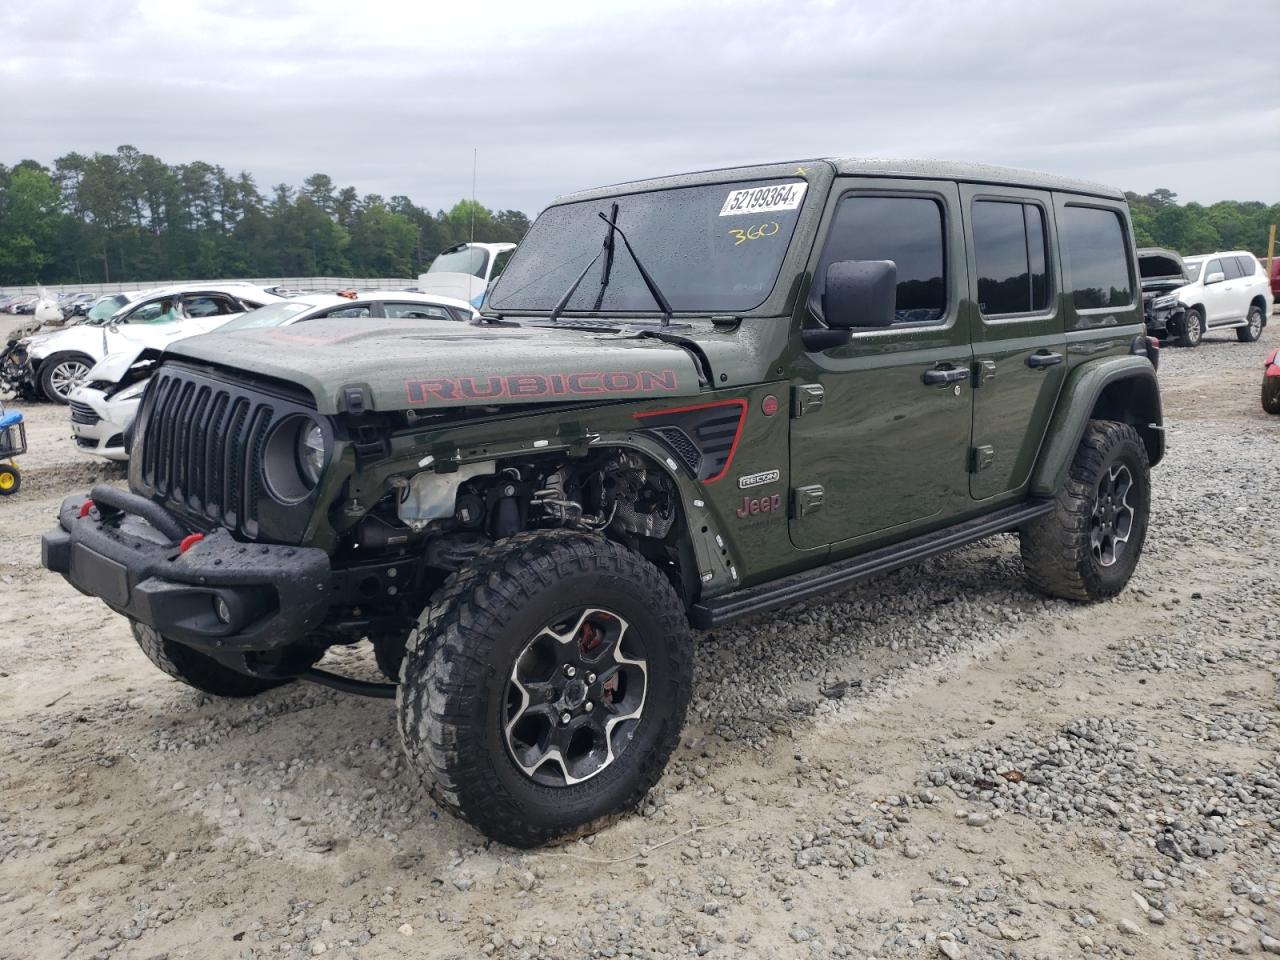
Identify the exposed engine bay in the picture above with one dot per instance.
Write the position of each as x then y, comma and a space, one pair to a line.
435, 522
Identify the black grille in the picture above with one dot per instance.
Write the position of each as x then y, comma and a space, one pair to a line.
685, 448
201, 446
83, 413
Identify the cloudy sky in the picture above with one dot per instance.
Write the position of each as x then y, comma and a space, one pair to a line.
556, 96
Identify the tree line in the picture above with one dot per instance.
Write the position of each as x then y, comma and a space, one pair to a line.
1192, 228
129, 216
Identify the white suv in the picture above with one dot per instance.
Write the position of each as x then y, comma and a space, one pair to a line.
1226, 291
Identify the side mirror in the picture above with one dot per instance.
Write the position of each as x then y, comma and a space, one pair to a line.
1216, 277
860, 294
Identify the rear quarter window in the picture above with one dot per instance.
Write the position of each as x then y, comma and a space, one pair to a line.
1097, 258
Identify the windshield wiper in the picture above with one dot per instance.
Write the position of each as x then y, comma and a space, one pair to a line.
607, 247
654, 292
563, 302
606, 268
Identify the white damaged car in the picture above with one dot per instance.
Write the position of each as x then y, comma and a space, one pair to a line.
103, 408
59, 361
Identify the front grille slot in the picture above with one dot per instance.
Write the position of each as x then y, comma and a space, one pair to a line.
202, 440
84, 414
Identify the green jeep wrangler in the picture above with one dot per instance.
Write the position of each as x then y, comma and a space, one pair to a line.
689, 400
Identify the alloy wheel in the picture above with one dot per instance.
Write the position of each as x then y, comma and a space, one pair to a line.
1111, 522
575, 696
1255, 323
66, 376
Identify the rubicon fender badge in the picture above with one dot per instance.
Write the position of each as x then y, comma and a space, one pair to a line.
759, 479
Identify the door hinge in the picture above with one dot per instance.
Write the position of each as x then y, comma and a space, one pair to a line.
806, 397
983, 371
981, 457
806, 501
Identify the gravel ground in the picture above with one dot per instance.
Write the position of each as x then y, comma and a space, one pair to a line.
937, 764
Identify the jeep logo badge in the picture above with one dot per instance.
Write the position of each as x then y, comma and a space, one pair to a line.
758, 479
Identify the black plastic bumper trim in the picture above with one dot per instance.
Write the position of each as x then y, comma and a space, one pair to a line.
274, 595
718, 611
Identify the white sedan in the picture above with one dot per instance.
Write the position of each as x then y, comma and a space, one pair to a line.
103, 408
59, 361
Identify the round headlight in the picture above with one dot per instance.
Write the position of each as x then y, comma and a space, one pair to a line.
293, 458
311, 453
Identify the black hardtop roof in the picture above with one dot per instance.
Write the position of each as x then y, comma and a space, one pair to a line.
858, 167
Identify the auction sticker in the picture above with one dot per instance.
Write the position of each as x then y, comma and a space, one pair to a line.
780, 196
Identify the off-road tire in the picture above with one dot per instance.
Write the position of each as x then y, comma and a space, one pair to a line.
195, 669
451, 699
51, 365
1192, 328
1271, 394
1057, 555
1254, 322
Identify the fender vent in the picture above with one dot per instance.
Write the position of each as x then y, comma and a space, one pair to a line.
704, 437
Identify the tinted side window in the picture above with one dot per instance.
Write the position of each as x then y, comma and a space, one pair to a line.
908, 231
207, 306
1231, 267
1094, 241
1009, 247
345, 312
1246, 266
1212, 267
499, 264
416, 311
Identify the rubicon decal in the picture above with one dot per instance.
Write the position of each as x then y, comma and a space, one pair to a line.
533, 386
758, 479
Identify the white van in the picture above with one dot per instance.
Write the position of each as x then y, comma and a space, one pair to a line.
466, 271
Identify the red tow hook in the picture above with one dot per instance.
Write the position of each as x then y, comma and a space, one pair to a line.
85, 508
189, 541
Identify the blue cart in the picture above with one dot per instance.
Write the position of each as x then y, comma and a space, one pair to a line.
13, 441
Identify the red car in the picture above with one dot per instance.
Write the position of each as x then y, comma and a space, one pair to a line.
1271, 383
1275, 279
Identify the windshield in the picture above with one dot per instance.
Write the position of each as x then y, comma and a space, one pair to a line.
104, 309
470, 260
1192, 268
709, 248
272, 315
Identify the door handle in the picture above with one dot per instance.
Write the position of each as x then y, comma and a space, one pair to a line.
941, 376
1038, 361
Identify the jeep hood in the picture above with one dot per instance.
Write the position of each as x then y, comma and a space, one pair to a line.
420, 364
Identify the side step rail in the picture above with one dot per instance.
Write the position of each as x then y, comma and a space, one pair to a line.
718, 611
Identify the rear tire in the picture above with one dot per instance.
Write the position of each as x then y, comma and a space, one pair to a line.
487, 708
1087, 548
195, 669
1253, 326
1271, 394
1192, 328
10, 480
62, 373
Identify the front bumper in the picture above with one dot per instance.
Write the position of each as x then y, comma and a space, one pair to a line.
1164, 321
98, 423
126, 552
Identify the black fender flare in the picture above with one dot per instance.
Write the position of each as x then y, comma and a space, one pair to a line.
1122, 388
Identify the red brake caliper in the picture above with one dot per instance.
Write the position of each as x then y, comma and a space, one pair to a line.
589, 639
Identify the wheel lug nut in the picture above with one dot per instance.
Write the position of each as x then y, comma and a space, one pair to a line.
566, 717
591, 678
569, 670
588, 706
